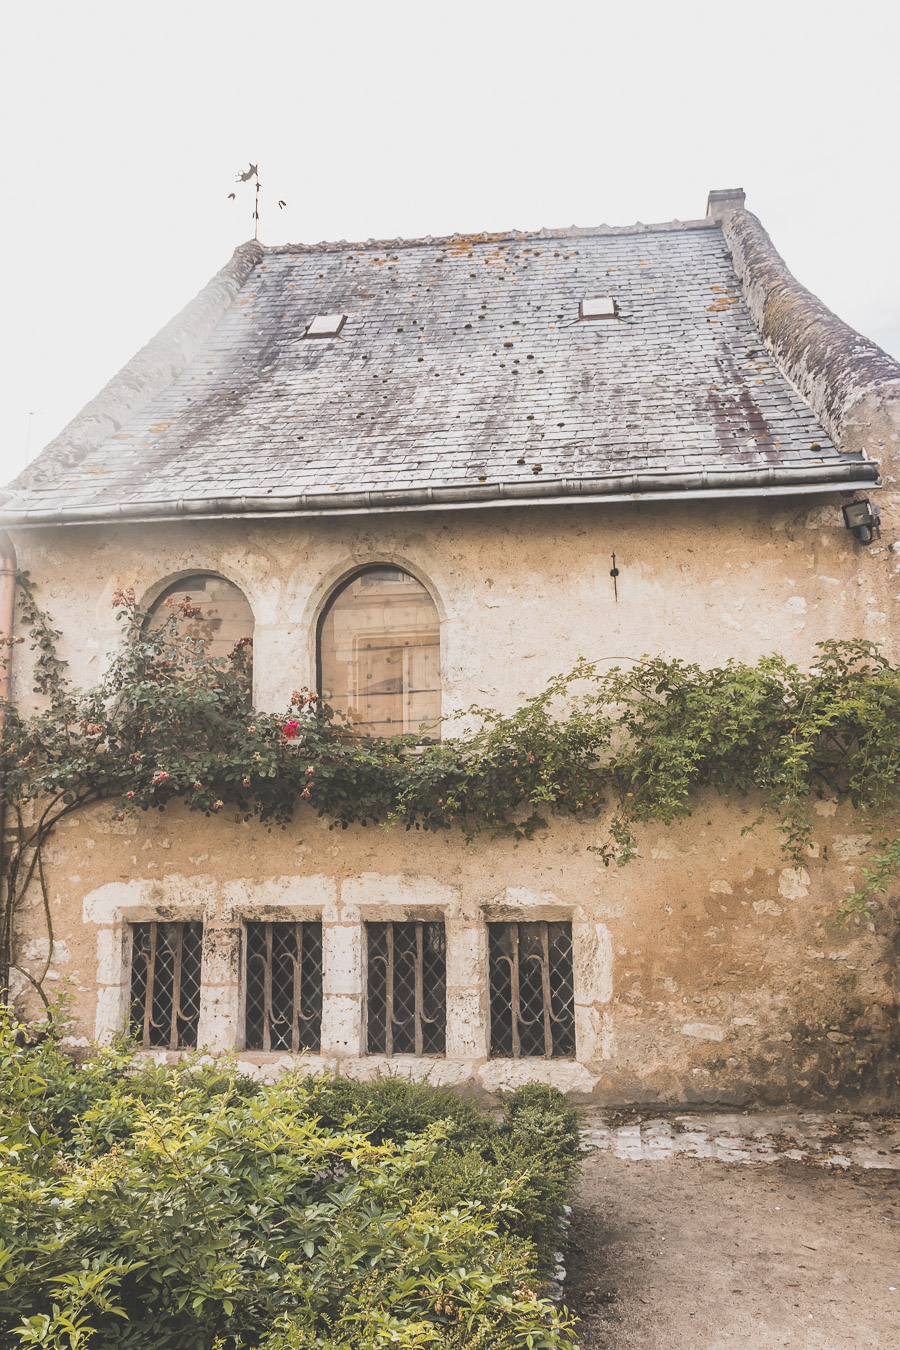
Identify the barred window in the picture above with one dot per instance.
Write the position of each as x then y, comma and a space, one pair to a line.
531, 993
379, 654
165, 984
283, 1009
406, 991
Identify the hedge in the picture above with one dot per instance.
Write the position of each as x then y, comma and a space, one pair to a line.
187, 1206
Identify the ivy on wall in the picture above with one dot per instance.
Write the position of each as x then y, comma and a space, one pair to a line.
630, 743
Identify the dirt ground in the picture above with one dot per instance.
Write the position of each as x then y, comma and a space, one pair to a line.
696, 1254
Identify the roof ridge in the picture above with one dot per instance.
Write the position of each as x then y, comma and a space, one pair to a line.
495, 237
851, 384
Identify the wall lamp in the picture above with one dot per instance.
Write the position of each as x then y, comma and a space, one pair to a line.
863, 521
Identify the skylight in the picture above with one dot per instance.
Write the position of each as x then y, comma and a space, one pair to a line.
326, 325
598, 307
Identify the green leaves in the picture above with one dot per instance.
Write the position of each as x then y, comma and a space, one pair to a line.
228, 1215
167, 726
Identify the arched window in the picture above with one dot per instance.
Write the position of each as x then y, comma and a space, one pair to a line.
380, 654
224, 617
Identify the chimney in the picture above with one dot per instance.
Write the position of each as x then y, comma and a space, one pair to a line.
720, 204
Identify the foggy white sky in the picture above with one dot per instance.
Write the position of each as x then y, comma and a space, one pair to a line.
126, 123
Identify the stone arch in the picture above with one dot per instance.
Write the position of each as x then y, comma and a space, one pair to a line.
378, 651
225, 618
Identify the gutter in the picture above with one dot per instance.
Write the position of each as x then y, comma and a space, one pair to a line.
859, 475
8, 570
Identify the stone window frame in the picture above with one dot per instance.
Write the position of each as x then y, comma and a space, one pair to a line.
114, 957
338, 579
344, 980
289, 912
522, 921
591, 980
154, 592
290, 923
224, 906
418, 916
151, 983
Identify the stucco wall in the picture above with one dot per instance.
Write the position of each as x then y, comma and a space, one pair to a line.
704, 970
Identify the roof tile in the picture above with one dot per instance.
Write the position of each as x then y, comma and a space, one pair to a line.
453, 365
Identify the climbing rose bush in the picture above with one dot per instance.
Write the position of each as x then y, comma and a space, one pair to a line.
167, 725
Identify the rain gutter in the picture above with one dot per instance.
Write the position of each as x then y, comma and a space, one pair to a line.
860, 475
8, 569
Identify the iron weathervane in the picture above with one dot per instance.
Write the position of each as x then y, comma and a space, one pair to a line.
246, 176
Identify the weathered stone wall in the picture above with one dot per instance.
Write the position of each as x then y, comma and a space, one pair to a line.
704, 971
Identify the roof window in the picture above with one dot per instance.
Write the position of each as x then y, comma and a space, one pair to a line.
598, 307
326, 325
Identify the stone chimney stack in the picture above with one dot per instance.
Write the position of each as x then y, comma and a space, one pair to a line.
721, 203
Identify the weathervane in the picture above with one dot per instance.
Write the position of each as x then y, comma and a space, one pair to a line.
245, 177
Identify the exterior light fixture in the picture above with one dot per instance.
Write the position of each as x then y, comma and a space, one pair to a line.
863, 520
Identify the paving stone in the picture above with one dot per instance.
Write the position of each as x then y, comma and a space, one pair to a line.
754, 1139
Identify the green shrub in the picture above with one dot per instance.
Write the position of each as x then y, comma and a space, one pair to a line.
530, 1155
188, 1208
392, 1108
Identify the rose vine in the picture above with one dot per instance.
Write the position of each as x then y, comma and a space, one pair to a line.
167, 724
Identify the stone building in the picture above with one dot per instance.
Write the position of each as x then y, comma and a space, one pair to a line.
405, 466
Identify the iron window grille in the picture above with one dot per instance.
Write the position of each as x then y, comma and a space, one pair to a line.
165, 984
283, 1008
532, 997
406, 990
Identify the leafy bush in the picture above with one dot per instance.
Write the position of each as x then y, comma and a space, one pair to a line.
393, 1108
188, 1207
532, 1151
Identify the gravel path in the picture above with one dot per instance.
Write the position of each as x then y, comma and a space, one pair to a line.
677, 1252
698, 1254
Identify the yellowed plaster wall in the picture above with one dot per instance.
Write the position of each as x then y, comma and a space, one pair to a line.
521, 593
705, 971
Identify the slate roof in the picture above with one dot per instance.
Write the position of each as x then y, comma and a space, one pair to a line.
462, 373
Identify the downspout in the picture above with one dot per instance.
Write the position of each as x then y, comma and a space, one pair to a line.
7, 624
